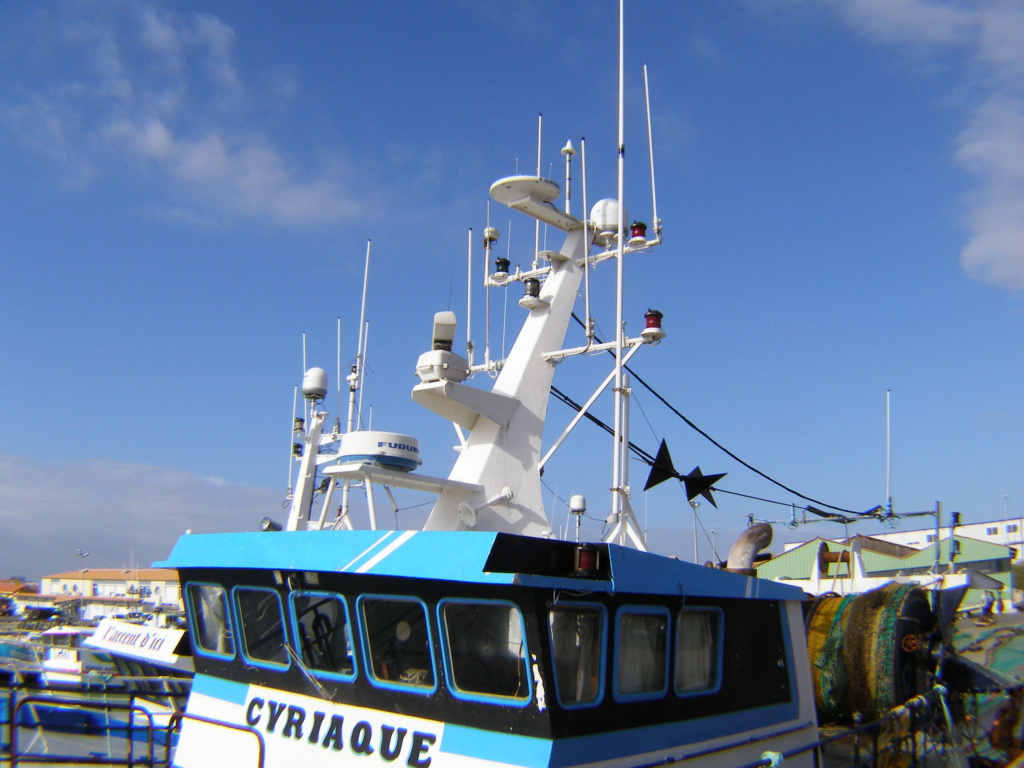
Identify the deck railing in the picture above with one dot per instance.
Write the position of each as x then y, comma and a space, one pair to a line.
81, 725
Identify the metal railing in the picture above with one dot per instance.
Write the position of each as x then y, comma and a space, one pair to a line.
80, 725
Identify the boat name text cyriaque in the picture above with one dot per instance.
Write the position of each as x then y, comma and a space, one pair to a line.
398, 446
331, 732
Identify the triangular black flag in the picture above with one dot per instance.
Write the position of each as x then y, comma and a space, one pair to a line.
661, 469
699, 484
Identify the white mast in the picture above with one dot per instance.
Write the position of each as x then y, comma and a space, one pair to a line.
655, 221
888, 498
355, 376
618, 392
469, 298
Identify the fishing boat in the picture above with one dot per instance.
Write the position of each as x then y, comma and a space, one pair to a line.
64, 657
484, 639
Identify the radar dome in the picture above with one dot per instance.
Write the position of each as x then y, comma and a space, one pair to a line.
314, 384
605, 218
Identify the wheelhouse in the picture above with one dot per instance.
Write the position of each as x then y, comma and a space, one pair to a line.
500, 632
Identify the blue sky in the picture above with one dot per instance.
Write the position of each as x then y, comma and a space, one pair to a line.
186, 189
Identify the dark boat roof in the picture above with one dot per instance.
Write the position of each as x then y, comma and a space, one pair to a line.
468, 556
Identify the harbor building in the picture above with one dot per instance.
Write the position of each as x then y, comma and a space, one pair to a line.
91, 594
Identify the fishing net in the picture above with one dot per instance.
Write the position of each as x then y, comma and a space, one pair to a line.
867, 651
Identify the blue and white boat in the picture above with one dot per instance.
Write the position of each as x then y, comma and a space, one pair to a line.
482, 639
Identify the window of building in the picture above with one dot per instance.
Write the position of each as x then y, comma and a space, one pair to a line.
210, 625
641, 660
577, 648
991, 531
1011, 528
322, 628
263, 639
929, 538
397, 640
698, 650
486, 652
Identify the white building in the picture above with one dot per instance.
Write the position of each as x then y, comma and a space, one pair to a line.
91, 594
1009, 533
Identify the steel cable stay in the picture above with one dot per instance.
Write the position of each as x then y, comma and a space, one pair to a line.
662, 468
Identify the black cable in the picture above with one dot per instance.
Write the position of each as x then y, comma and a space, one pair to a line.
706, 436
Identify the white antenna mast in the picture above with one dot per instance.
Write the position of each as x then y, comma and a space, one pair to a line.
589, 328
355, 376
304, 367
618, 470
337, 411
469, 298
568, 151
888, 498
362, 377
536, 223
357, 369
291, 438
655, 221
490, 238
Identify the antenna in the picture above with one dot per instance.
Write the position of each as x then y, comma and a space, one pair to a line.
304, 366
568, 152
355, 375
655, 221
536, 223
469, 298
362, 377
589, 329
888, 498
337, 410
291, 438
490, 238
618, 470
540, 123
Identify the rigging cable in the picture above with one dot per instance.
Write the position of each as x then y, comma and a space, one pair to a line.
650, 459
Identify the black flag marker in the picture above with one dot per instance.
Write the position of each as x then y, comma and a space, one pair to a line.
661, 469
697, 483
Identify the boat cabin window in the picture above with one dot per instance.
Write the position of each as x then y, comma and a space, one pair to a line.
486, 650
397, 641
698, 649
641, 660
322, 628
259, 611
577, 649
209, 624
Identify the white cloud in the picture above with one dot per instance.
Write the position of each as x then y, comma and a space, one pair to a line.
919, 22
116, 512
146, 89
991, 146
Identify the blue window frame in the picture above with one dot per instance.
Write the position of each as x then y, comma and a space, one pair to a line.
209, 620
698, 651
397, 643
641, 653
261, 621
320, 624
578, 634
485, 651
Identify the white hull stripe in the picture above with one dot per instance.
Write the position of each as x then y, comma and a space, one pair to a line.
406, 535
351, 564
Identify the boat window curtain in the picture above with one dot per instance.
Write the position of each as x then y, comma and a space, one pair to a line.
576, 635
642, 640
696, 650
